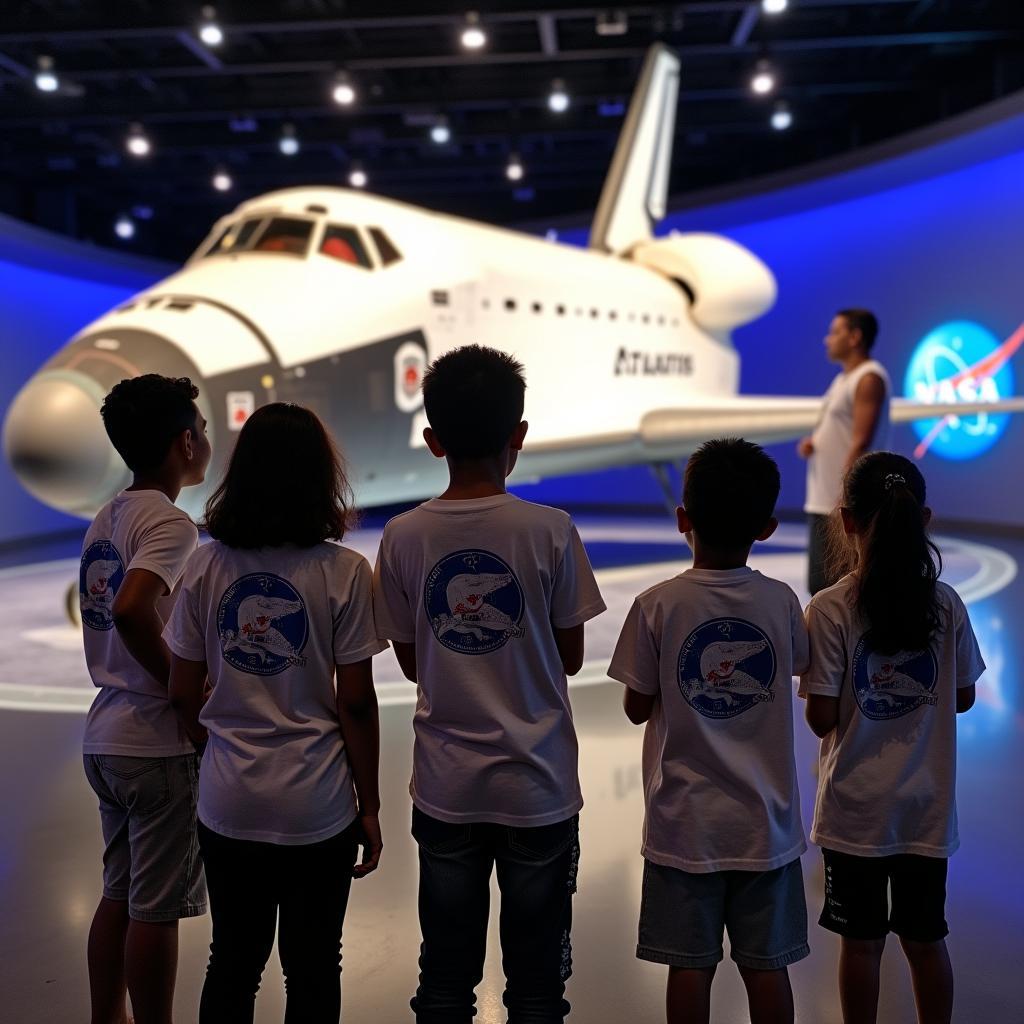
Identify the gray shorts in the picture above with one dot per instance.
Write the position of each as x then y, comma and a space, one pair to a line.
148, 815
683, 916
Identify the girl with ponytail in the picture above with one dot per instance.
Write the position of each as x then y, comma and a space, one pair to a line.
893, 661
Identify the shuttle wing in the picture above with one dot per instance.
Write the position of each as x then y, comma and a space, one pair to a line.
666, 434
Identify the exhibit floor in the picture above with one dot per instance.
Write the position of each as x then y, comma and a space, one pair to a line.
50, 843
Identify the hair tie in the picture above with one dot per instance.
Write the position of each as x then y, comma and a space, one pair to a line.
891, 479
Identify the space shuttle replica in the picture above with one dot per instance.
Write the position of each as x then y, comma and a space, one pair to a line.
338, 300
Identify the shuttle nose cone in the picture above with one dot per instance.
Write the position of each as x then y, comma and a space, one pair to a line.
57, 446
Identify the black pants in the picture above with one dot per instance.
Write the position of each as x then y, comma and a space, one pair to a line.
818, 577
536, 875
250, 885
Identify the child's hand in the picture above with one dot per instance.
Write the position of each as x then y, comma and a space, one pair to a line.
372, 845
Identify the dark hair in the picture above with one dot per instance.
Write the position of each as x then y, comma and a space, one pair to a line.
473, 398
729, 491
285, 484
145, 414
895, 592
862, 320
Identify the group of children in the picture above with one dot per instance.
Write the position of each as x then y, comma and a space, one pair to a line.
252, 656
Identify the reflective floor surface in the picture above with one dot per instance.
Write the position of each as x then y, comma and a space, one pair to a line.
50, 844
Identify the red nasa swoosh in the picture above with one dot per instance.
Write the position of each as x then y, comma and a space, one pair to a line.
991, 364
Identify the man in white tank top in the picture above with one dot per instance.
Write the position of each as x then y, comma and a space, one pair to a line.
854, 420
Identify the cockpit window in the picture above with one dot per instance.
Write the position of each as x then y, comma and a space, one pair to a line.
388, 252
342, 242
235, 237
287, 235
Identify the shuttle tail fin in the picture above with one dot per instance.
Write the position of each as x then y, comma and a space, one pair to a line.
634, 194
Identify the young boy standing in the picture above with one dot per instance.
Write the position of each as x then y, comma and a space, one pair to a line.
484, 597
708, 658
138, 759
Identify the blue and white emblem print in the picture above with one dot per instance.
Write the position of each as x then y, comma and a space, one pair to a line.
100, 574
474, 602
893, 685
262, 624
725, 667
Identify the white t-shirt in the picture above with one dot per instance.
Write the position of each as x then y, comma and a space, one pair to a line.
478, 585
833, 436
271, 624
720, 648
130, 715
887, 779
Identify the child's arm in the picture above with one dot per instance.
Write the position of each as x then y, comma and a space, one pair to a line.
138, 624
570, 648
822, 714
635, 664
360, 729
406, 655
965, 698
638, 706
186, 694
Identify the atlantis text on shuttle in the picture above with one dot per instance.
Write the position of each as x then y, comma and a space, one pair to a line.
653, 364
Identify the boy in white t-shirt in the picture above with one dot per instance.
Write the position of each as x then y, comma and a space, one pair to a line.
708, 659
138, 759
484, 597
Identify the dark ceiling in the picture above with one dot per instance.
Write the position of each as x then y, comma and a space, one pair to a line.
851, 71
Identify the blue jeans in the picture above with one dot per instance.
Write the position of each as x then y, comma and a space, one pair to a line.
537, 877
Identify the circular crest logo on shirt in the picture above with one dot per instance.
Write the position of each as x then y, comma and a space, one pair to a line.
726, 666
100, 575
262, 624
474, 602
893, 685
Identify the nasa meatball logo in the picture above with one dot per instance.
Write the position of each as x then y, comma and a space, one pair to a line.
100, 575
262, 624
893, 685
474, 602
961, 361
726, 666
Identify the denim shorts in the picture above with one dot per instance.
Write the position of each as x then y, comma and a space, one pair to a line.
684, 914
148, 816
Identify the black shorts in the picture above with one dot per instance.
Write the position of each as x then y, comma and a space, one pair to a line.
857, 904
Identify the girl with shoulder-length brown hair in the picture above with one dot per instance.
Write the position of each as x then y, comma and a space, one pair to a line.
279, 617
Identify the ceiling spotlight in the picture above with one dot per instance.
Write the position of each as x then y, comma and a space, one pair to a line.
209, 31
344, 92
440, 132
763, 80
124, 227
473, 36
46, 77
357, 177
558, 98
774, 6
514, 169
222, 180
611, 23
782, 117
137, 143
289, 142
